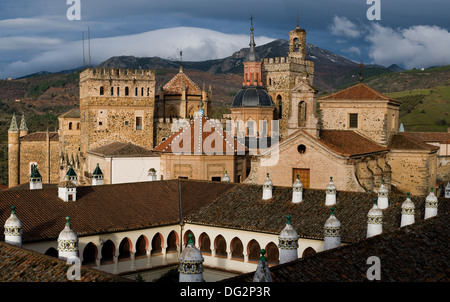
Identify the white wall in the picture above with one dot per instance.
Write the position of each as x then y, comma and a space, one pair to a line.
134, 169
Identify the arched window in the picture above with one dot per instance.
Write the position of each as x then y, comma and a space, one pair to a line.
296, 45
135, 91
118, 91
280, 106
141, 246
191, 112
253, 250
237, 249
52, 252
172, 241
78, 126
302, 114
70, 126
142, 91
205, 243
221, 246
108, 251
125, 249
308, 252
89, 254
156, 244
186, 237
272, 253
126, 90
148, 91
112, 90
102, 90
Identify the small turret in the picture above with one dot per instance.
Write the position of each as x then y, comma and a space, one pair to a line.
383, 196
332, 232
72, 175
152, 175
67, 242
191, 263
35, 179
297, 191
431, 205
13, 229
13, 153
226, 178
267, 188
374, 220
407, 212
97, 176
262, 273
330, 198
23, 130
288, 242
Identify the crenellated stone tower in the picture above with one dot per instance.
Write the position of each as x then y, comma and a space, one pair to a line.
289, 81
116, 105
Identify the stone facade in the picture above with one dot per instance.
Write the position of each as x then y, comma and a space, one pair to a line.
414, 171
361, 109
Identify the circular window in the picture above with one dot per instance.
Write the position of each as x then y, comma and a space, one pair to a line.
301, 149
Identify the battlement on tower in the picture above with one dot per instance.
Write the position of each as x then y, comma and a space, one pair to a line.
117, 74
283, 60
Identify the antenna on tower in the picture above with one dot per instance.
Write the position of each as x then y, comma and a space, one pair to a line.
297, 19
89, 46
84, 60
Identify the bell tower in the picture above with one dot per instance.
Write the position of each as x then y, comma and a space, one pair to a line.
297, 43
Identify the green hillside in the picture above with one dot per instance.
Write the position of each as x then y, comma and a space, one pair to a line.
425, 109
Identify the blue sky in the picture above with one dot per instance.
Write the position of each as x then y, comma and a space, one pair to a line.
36, 35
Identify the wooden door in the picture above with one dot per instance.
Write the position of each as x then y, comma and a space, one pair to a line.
304, 175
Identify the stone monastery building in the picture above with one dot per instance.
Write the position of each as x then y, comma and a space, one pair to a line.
205, 200
122, 122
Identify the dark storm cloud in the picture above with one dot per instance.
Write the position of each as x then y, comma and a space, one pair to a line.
28, 28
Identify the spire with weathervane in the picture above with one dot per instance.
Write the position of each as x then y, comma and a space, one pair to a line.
252, 66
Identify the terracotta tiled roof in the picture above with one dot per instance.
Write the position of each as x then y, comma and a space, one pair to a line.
414, 253
119, 149
201, 136
73, 113
40, 136
429, 136
401, 141
23, 265
349, 143
106, 208
175, 85
358, 92
26, 186
242, 208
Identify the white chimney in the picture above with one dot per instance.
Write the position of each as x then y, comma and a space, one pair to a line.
288, 242
374, 220
407, 212
383, 196
330, 198
297, 191
267, 188
431, 205
152, 174
13, 229
262, 273
332, 232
